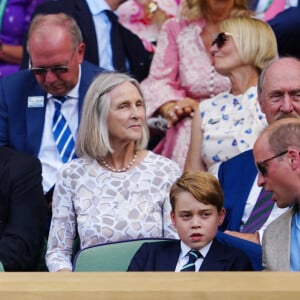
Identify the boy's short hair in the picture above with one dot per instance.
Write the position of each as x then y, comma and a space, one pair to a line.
203, 186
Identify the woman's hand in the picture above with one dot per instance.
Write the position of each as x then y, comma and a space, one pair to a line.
174, 111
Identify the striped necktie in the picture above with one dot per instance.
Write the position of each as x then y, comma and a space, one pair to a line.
62, 133
190, 266
260, 212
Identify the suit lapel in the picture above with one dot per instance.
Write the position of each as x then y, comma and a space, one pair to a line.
35, 117
84, 19
284, 240
243, 176
214, 260
169, 257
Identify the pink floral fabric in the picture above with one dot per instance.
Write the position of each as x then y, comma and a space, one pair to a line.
181, 68
132, 16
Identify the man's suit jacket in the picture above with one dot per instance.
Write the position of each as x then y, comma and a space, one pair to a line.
21, 127
286, 28
276, 243
163, 256
22, 210
240, 171
139, 58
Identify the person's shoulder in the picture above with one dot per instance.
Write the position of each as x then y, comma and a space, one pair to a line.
276, 224
56, 6
18, 78
244, 156
228, 250
162, 161
160, 245
18, 160
88, 66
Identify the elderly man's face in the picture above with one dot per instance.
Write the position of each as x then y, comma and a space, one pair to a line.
53, 50
281, 90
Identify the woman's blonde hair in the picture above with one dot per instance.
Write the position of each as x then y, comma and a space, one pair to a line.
93, 135
254, 39
194, 10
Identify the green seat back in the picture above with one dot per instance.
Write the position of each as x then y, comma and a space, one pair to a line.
111, 257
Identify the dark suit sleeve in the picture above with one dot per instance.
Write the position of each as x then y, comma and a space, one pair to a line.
286, 28
139, 260
252, 250
3, 117
241, 262
22, 212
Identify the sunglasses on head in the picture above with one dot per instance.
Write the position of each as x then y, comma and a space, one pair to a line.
220, 39
262, 166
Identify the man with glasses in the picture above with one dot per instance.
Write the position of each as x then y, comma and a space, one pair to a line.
108, 44
279, 97
277, 157
40, 107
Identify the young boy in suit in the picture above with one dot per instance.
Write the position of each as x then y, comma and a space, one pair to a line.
197, 211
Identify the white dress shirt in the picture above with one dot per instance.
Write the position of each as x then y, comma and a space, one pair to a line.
103, 28
48, 154
184, 258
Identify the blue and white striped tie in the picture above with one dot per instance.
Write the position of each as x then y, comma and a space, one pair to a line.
62, 133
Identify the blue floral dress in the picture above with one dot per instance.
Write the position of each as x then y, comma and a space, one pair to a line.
230, 125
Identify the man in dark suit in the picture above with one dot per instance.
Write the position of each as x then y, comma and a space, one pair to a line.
238, 175
27, 98
22, 211
127, 55
197, 211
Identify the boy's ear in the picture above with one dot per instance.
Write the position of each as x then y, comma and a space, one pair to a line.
172, 215
222, 214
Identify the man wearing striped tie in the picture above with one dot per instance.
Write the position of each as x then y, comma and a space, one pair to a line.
197, 211
40, 107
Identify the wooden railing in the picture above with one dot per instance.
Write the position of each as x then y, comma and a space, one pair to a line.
150, 286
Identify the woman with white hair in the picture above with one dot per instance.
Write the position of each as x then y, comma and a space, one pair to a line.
229, 123
116, 190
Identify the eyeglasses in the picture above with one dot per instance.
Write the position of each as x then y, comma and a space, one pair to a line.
262, 165
57, 70
220, 39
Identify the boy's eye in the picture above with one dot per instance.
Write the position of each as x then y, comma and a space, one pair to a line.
185, 216
205, 214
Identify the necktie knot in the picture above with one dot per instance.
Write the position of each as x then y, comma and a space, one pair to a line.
190, 266
58, 101
111, 16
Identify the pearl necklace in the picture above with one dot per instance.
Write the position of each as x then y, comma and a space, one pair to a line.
107, 166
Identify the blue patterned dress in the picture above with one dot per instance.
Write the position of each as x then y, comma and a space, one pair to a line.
230, 126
